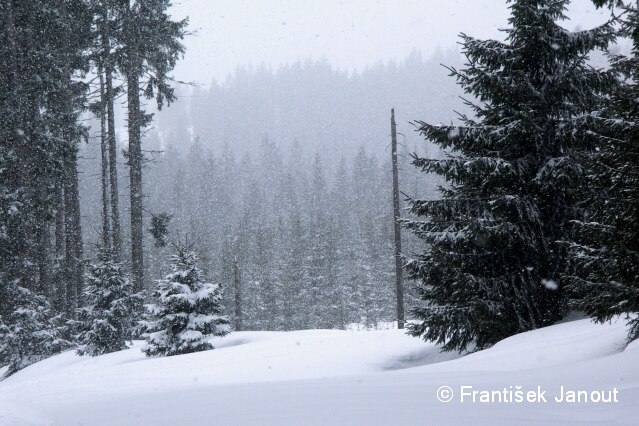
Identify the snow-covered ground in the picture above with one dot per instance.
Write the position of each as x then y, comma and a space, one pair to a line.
330, 377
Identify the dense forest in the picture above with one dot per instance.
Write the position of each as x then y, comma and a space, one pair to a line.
264, 202
282, 204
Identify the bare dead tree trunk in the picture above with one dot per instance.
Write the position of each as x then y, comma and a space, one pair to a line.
237, 285
399, 284
106, 229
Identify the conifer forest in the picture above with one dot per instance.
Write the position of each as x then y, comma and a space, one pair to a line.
282, 202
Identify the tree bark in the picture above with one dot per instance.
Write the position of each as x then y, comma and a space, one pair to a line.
116, 233
10, 30
77, 230
237, 284
399, 284
135, 172
70, 260
60, 241
106, 228
73, 237
43, 239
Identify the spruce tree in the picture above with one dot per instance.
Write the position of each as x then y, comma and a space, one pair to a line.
187, 311
107, 321
41, 98
151, 46
604, 282
296, 272
29, 332
493, 263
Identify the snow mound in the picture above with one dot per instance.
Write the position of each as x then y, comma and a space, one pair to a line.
330, 377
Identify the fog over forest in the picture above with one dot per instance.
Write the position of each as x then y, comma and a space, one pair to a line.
289, 163
280, 175
319, 212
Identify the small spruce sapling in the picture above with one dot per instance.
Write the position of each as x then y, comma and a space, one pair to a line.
187, 310
107, 322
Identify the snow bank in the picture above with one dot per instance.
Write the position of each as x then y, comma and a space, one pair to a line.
330, 377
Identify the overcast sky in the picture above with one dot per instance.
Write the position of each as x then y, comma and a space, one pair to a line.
350, 34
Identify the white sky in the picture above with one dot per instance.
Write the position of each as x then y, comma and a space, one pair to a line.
351, 34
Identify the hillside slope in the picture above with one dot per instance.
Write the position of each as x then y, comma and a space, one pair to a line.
332, 377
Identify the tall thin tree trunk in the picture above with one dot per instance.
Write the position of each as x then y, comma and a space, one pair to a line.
399, 284
44, 245
135, 174
106, 229
16, 259
70, 261
237, 285
77, 230
61, 278
73, 236
116, 233
59, 221
11, 43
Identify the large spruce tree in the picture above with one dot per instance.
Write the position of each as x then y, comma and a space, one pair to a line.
42, 94
40, 102
151, 46
604, 282
492, 263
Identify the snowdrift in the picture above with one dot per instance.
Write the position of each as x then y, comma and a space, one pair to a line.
333, 377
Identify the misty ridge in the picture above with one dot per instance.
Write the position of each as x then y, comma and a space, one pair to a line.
326, 110
284, 170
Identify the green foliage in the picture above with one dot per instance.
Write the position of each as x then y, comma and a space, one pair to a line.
603, 3
160, 228
107, 321
40, 101
151, 46
30, 332
492, 264
187, 310
604, 280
